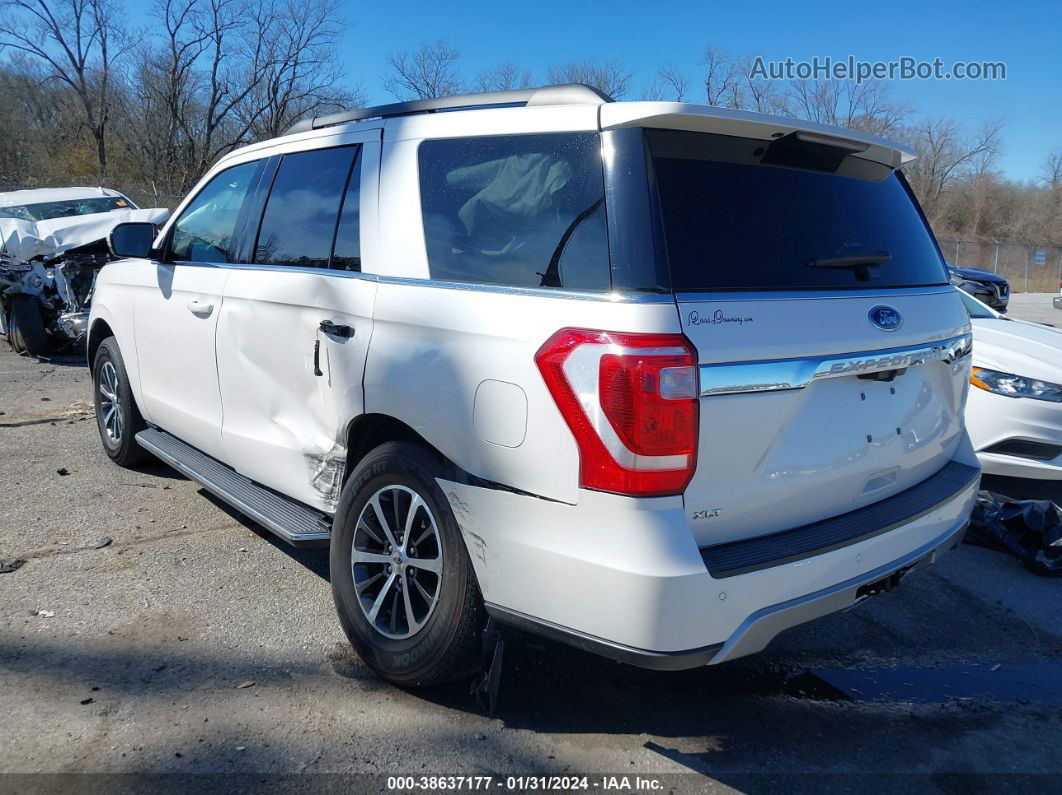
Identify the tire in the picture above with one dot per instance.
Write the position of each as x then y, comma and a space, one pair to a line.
117, 416
442, 642
27, 334
14, 339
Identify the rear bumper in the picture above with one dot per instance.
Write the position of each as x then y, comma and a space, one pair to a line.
625, 578
759, 629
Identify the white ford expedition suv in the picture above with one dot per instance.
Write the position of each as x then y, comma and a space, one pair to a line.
654, 379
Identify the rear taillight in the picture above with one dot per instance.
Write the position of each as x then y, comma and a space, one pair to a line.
631, 402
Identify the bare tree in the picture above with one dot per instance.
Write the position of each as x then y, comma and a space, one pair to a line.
427, 72
1051, 171
843, 103
164, 91
237, 57
756, 93
721, 78
945, 155
670, 84
32, 125
609, 77
302, 75
79, 41
982, 174
218, 73
504, 77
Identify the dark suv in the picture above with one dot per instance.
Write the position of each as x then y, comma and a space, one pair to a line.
987, 287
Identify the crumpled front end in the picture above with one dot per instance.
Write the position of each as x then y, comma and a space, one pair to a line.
55, 262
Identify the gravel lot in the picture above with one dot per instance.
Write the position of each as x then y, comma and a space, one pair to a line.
136, 657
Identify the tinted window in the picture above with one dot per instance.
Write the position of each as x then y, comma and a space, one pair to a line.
748, 214
299, 223
204, 232
524, 211
347, 255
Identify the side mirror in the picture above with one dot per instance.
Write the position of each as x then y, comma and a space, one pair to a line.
131, 239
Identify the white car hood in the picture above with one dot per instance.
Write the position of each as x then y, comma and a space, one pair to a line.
1015, 346
25, 240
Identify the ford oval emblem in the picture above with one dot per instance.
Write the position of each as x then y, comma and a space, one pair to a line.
885, 318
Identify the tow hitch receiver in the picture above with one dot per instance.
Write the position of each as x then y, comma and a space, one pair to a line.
882, 585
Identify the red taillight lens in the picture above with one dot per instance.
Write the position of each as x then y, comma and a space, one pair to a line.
631, 403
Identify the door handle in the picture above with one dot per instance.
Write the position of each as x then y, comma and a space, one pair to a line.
336, 329
200, 308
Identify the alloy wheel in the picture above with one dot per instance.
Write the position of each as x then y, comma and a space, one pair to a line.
110, 402
396, 562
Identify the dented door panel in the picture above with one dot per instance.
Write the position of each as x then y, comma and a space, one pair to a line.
284, 425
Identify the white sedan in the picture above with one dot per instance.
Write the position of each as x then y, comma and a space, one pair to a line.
1014, 413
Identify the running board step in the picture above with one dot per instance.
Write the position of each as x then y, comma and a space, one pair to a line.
292, 521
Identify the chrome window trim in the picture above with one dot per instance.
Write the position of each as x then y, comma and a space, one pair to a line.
541, 292
789, 295
786, 374
580, 295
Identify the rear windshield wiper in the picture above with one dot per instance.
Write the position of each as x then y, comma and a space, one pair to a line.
858, 263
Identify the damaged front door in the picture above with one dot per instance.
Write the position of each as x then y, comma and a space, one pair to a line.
295, 326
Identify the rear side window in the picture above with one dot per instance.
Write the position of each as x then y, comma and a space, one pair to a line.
519, 210
205, 230
745, 214
347, 255
299, 223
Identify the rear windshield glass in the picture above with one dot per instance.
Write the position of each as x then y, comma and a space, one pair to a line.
746, 214
64, 209
516, 210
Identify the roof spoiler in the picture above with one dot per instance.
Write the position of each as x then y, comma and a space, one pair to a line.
565, 94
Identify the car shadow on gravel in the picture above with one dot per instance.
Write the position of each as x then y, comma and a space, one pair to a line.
748, 724
314, 559
733, 723
158, 469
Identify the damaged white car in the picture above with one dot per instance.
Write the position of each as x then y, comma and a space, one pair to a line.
53, 242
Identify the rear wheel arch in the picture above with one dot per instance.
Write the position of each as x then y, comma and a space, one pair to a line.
366, 432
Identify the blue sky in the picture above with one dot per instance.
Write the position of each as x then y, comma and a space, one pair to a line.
1025, 34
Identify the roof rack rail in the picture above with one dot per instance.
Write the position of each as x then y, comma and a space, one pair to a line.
565, 94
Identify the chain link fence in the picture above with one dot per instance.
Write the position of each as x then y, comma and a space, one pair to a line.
1029, 267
